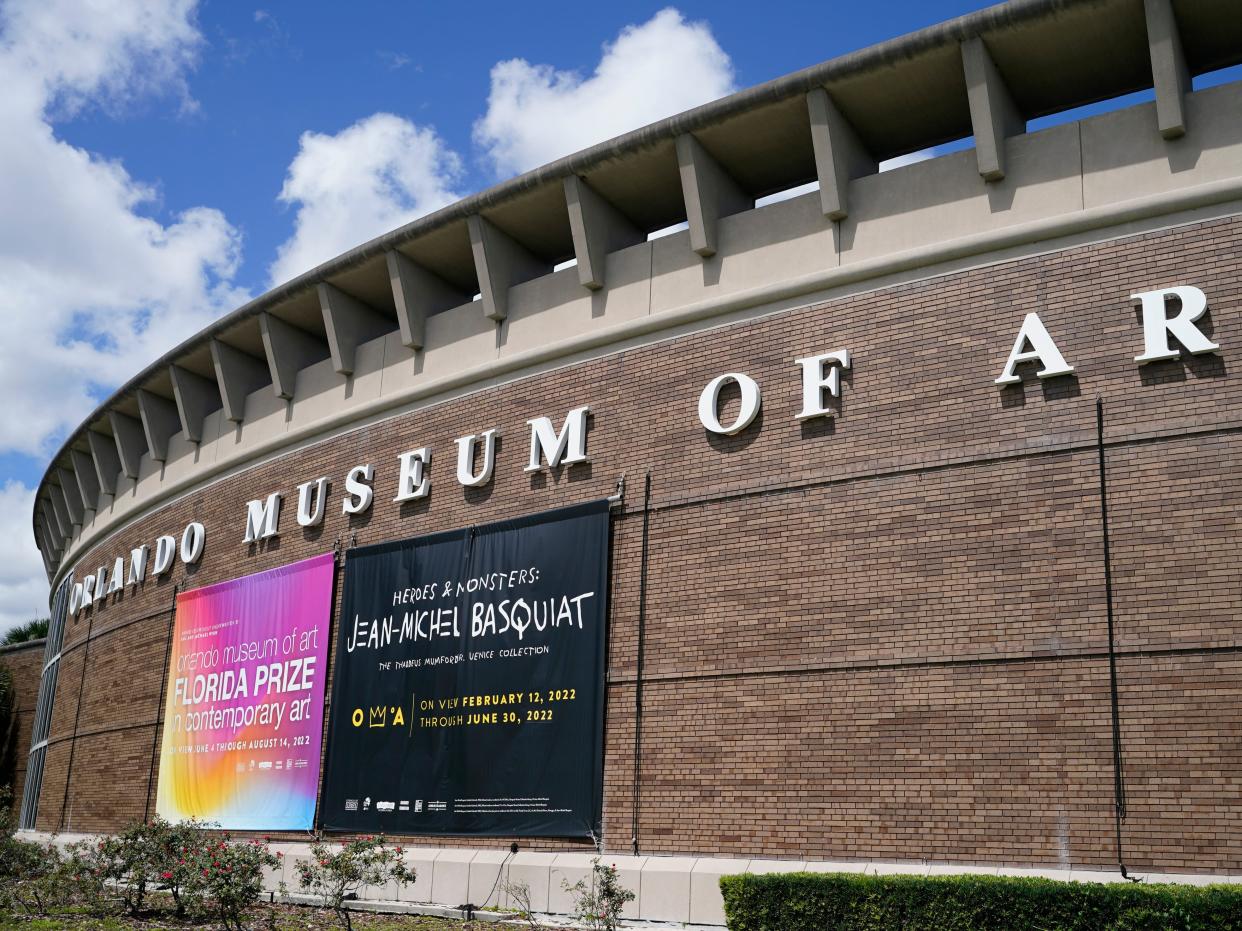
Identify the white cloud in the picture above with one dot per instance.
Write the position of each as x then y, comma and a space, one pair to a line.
95, 286
371, 177
106, 52
23, 583
536, 114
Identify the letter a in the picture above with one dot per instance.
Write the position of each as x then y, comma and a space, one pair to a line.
1043, 350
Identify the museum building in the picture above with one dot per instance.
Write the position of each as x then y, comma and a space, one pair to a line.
915, 491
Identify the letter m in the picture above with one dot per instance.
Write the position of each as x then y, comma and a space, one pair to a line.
569, 446
263, 518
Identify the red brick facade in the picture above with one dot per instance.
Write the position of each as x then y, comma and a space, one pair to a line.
25, 662
878, 636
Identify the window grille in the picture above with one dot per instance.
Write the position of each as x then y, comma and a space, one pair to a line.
43, 707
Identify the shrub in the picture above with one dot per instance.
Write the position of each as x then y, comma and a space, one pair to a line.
204, 873
519, 892
179, 850
227, 876
84, 877
27, 870
598, 905
335, 877
9, 750
131, 861
851, 902
30, 880
143, 857
23, 633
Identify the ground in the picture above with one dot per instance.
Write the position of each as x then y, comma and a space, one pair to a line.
280, 918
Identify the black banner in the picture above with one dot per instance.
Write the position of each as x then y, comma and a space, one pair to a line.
468, 691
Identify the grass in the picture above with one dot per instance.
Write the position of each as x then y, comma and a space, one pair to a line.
279, 918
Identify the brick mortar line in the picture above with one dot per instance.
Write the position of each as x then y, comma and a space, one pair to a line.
878, 666
801, 670
79, 644
1141, 439
681, 503
115, 728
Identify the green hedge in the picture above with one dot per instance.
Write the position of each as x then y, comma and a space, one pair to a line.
851, 902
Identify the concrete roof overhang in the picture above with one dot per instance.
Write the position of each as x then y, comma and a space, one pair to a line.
899, 96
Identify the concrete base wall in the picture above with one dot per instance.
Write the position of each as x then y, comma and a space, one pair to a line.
680, 890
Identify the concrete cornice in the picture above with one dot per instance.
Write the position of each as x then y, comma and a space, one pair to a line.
938, 259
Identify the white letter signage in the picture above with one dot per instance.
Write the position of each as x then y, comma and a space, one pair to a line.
709, 402
465, 458
568, 446
413, 482
1157, 325
1043, 350
815, 382
262, 519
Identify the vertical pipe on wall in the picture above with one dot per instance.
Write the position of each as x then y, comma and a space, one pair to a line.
338, 571
1119, 788
638, 667
159, 708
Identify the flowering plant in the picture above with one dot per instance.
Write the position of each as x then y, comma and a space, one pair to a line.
334, 875
228, 876
598, 905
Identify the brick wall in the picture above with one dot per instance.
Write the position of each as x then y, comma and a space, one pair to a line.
25, 662
880, 636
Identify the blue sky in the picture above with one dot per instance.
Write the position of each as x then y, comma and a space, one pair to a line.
164, 161
272, 71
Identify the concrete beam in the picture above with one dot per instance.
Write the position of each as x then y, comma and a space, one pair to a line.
51, 552
709, 193
597, 228
61, 512
52, 523
71, 495
840, 155
348, 323
500, 262
41, 543
54, 541
288, 350
160, 421
418, 294
88, 479
107, 462
131, 442
237, 375
1169, 73
993, 115
196, 397
44, 526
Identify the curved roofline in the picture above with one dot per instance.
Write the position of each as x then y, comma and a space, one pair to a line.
983, 74
884, 54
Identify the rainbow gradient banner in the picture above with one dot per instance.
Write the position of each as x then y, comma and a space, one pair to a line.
243, 707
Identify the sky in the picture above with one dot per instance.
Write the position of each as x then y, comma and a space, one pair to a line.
164, 161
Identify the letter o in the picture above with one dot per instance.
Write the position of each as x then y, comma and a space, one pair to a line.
709, 400
193, 538
75, 598
356, 717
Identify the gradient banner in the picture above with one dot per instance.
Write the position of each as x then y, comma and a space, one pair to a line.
243, 705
